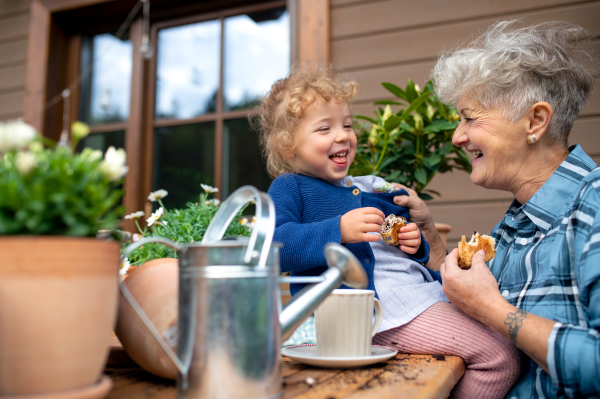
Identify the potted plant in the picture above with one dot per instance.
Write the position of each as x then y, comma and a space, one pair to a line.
411, 145
57, 281
151, 275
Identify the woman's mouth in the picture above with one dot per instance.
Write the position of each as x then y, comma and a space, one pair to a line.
478, 154
339, 158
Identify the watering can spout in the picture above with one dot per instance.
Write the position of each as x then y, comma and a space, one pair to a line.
344, 268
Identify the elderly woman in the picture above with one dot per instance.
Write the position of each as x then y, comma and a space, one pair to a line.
518, 92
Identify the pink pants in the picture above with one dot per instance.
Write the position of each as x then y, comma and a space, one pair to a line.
493, 362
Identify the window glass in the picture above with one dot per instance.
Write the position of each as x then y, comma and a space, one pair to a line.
188, 70
257, 53
106, 79
242, 161
184, 158
101, 141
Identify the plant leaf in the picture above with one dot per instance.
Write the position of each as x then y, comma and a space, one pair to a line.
440, 125
395, 90
366, 118
421, 175
387, 102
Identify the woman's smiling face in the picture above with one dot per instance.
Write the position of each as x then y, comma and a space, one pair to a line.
325, 141
499, 146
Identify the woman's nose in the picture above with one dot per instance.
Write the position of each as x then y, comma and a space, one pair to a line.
460, 138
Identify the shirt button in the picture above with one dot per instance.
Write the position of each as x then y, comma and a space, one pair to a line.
523, 241
505, 293
356, 191
349, 183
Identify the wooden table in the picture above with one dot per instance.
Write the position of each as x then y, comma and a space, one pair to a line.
404, 376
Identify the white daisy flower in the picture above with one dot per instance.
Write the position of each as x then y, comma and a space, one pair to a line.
158, 194
155, 216
25, 162
125, 265
213, 201
208, 189
136, 237
252, 223
243, 221
135, 215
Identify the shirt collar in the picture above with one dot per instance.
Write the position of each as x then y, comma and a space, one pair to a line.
549, 201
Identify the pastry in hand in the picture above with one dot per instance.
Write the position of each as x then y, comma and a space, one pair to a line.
466, 250
391, 228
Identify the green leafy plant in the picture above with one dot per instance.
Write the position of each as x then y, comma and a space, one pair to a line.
186, 225
53, 190
411, 145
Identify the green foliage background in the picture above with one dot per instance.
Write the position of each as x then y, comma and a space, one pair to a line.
65, 194
411, 145
185, 225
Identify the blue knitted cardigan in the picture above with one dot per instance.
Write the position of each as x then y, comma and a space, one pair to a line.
308, 212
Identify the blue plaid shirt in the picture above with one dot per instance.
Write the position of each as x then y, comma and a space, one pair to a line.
548, 264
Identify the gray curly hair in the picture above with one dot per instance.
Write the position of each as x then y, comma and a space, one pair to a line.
511, 67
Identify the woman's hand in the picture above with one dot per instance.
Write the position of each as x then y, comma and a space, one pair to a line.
421, 216
410, 238
356, 225
475, 290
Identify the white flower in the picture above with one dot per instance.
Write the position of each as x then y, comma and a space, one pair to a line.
243, 221
25, 162
213, 201
158, 194
113, 165
155, 216
125, 265
209, 189
252, 223
15, 135
135, 215
136, 237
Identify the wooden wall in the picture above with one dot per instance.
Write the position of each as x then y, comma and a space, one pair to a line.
14, 25
393, 40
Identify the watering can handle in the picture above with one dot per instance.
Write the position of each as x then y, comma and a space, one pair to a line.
262, 233
140, 312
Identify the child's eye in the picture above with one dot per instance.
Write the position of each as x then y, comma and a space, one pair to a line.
348, 126
323, 129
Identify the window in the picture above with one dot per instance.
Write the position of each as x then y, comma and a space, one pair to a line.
194, 100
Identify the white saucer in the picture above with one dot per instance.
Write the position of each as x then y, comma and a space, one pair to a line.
307, 354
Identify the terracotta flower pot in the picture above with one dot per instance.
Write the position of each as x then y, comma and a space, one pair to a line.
154, 285
58, 301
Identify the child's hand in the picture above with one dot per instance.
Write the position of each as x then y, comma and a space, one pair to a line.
410, 238
358, 223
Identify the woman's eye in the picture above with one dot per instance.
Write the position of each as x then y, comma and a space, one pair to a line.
468, 120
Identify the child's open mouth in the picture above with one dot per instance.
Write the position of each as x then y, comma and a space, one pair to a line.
340, 158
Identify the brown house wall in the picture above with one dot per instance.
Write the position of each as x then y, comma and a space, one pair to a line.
14, 23
392, 40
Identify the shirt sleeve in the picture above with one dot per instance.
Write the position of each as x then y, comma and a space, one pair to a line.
303, 243
574, 351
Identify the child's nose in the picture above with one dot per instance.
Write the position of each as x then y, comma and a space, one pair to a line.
341, 136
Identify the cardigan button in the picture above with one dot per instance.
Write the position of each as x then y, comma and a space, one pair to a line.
356, 191
349, 183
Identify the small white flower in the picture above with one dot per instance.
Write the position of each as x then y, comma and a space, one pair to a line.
25, 162
136, 237
113, 166
208, 189
155, 216
79, 130
213, 201
15, 135
125, 265
135, 215
243, 221
252, 223
158, 194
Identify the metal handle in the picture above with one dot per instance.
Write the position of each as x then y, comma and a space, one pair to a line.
262, 233
140, 312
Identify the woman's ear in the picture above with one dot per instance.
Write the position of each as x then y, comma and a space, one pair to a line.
538, 117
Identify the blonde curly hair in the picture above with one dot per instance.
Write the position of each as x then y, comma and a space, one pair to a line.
279, 114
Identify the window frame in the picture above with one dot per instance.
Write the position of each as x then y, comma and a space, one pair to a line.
53, 62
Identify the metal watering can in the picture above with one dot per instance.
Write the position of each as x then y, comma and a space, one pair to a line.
231, 323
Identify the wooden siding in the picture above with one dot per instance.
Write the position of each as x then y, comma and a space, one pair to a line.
14, 24
392, 40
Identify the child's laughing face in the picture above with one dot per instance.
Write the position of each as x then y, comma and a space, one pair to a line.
325, 141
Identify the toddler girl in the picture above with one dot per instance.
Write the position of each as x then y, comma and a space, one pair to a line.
308, 142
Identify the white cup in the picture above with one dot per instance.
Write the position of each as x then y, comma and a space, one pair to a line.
344, 323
